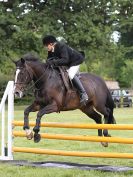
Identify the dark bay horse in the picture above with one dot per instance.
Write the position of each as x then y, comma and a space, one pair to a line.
51, 96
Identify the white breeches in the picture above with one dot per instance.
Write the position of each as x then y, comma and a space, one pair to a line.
72, 71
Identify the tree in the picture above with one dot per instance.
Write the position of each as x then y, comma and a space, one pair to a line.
125, 26
85, 25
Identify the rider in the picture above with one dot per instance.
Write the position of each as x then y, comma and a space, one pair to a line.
60, 54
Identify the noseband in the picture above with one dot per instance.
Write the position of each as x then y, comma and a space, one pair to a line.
30, 74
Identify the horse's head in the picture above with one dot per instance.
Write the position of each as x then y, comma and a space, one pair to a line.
23, 77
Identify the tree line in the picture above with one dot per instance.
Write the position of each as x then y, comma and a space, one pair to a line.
87, 25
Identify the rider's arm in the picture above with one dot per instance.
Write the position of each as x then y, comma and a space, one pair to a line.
64, 60
50, 55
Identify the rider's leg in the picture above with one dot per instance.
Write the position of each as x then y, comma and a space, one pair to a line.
77, 83
83, 95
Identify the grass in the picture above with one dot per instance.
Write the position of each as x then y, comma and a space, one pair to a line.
122, 116
54, 172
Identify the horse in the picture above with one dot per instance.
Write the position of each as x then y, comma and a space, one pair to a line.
51, 95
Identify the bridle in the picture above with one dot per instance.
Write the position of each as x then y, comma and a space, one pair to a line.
31, 74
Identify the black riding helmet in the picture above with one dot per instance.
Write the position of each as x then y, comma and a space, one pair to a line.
48, 39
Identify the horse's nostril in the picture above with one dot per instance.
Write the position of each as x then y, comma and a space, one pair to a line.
17, 94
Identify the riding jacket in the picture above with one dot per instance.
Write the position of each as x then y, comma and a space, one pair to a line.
65, 55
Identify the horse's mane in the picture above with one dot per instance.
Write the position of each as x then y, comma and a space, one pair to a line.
31, 57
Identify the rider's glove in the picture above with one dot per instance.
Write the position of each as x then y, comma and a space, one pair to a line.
51, 62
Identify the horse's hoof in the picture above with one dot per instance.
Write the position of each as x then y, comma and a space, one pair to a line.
37, 137
104, 144
29, 134
36, 129
109, 135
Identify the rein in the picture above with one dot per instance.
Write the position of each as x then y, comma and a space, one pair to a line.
31, 74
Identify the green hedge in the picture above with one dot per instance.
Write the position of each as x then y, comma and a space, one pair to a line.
3, 81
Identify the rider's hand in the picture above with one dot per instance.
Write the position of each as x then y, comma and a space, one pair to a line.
51, 62
51, 58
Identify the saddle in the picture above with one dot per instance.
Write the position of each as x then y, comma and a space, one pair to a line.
65, 78
71, 91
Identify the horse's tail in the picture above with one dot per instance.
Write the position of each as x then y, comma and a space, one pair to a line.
110, 104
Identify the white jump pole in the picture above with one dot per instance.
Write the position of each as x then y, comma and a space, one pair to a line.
8, 93
10, 119
3, 132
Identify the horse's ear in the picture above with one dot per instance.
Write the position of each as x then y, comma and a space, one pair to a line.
82, 53
22, 60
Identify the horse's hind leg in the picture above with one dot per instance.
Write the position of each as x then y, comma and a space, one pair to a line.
106, 112
106, 121
109, 119
90, 112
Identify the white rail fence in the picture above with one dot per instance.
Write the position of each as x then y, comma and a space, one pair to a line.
7, 145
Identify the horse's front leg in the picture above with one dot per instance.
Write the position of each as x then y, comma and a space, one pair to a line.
26, 127
46, 110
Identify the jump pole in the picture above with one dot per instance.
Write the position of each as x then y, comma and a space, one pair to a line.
79, 126
79, 137
73, 153
9, 93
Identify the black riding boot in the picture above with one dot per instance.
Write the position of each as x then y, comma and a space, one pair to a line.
83, 95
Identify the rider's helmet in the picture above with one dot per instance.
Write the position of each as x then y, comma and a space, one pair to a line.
48, 39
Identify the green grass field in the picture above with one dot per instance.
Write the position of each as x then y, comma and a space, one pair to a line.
122, 115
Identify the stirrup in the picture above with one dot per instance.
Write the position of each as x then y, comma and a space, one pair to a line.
84, 98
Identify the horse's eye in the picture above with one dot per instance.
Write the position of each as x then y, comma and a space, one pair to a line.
22, 72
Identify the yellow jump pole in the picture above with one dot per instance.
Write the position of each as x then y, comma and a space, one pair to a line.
73, 153
79, 137
78, 125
